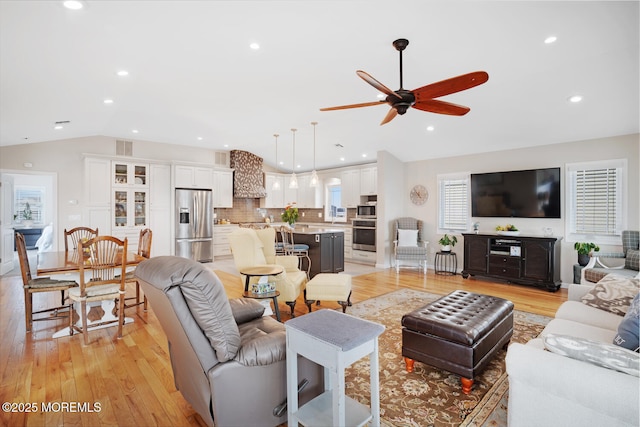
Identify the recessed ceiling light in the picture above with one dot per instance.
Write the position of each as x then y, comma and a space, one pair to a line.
108, 101
135, 131
550, 39
254, 46
73, 4
122, 73
342, 159
381, 96
430, 128
364, 155
575, 98
226, 145
58, 127
281, 162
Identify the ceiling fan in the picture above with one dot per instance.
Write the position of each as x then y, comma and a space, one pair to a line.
422, 98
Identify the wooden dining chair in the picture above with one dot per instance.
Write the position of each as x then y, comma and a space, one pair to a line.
75, 235
144, 250
105, 258
33, 285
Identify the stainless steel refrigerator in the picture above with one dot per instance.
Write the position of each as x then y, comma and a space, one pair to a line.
194, 224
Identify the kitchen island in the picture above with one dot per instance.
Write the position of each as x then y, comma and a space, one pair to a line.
326, 248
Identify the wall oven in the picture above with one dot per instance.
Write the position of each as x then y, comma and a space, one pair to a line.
364, 234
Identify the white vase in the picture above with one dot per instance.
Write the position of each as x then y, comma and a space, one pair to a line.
445, 248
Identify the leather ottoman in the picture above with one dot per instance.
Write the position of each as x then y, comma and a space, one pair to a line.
459, 333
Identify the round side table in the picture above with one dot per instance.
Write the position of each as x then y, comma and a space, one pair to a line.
446, 263
262, 271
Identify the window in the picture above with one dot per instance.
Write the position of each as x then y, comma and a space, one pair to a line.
333, 209
34, 196
453, 202
595, 201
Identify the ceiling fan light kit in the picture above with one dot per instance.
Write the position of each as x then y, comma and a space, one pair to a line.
422, 98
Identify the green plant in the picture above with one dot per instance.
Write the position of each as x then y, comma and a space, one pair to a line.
447, 240
585, 248
290, 214
26, 213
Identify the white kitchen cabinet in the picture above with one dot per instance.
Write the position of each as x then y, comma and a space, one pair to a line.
126, 174
97, 194
221, 245
309, 197
193, 177
369, 181
223, 189
97, 182
350, 183
274, 198
160, 209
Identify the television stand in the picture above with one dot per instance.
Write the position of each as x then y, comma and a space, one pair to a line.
525, 260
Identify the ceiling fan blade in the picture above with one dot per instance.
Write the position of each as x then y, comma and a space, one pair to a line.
441, 107
373, 82
452, 85
390, 116
344, 107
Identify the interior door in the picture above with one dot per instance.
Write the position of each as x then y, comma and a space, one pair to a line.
6, 223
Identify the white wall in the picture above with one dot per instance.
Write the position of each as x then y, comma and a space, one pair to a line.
556, 155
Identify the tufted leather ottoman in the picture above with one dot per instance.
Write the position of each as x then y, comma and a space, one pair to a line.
459, 333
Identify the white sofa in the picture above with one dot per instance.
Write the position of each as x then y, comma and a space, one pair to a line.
547, 389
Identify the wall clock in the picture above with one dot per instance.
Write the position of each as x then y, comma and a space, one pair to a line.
419, 195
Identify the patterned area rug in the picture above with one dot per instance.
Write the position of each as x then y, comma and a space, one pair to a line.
430, 396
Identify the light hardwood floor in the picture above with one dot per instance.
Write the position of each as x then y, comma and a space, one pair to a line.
131, 378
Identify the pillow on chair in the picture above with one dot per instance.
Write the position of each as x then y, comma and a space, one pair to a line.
407, 237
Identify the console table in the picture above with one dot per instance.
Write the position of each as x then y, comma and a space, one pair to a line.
525, 260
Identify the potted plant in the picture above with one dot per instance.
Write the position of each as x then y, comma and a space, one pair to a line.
27, 219
290, 214
584, 250
447, 242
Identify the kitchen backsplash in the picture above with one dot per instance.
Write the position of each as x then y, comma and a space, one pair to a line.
248, 210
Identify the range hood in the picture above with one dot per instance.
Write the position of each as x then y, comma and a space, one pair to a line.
248, 177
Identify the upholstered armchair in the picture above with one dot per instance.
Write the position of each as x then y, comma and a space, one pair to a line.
228, 360
408, 244
251, 248
599, 263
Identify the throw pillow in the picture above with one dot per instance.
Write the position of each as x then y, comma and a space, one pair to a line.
629, 329
597, 353
407, 237
632, 260
613, 293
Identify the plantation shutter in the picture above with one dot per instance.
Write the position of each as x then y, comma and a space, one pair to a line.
453, 209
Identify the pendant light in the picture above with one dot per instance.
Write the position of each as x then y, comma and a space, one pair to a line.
313, 182
293, 182
276, 183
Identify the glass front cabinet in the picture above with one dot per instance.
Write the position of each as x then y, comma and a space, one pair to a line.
130, 198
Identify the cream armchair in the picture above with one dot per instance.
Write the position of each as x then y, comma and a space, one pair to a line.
251, 248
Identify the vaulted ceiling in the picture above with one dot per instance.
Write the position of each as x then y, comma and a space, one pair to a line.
193, 78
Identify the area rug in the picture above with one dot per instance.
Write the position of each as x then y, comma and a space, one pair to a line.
429, 396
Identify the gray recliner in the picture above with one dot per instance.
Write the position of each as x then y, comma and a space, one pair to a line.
228, 361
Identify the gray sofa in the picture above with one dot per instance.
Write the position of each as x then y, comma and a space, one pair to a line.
548, 389
228, 360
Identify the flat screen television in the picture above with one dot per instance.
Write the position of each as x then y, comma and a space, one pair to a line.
533, 193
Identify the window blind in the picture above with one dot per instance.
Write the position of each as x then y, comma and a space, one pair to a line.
454, 202
596, 201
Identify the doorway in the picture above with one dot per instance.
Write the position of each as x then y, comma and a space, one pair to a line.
45, 189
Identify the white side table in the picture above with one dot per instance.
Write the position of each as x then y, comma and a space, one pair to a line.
333, 340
